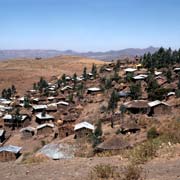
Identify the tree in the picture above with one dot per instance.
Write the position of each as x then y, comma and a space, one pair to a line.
123, 110
4, 93
112, 104
169, 76
98, 130
13, 89
129, 76
85, 73
74, 80
26, 102
135, 90
94, 70
63, 78
35, 86
9, 93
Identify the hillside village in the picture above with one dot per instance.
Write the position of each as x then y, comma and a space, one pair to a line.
110, 108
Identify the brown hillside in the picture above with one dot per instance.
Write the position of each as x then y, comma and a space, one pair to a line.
23, 73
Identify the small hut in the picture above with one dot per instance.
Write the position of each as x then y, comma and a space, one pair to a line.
83, 129
45, 129
93, 90
10, 121
43, 118
9, 153
27, 132
39, 108
114, 143
129, 127
158, 108
137, 106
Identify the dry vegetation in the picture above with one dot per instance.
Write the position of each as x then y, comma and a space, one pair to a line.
25, 72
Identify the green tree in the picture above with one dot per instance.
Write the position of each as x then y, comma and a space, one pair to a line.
98, 130
94, 70
135, 90
85, 73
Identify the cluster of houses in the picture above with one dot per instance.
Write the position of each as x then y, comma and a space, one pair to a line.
57, 116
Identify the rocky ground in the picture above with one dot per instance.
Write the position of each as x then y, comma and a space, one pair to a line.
79, 168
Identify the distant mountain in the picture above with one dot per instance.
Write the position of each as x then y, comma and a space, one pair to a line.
106, 56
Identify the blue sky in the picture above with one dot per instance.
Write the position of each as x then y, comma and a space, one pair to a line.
89, 25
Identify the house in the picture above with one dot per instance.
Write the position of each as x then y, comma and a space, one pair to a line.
114, 143
9, 121
176, 70
93, 90
39, 108
66, 88
9, 153
27, 132
2, 135
129, 127
45, 129
158, 108
140, 77
65, 130
43, 117
51, 107
63, 103
157, 73
123, 94
137, 106
171, 95
130, 70
161, 80
83, 129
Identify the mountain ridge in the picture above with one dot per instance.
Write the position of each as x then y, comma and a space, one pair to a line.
48, 53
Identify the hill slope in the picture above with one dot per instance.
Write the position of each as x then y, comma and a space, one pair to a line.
23, 73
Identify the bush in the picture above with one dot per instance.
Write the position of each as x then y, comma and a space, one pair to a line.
144, 152
152, 133
102, 171
132, 172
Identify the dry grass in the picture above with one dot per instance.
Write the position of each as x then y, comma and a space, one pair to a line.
23, 73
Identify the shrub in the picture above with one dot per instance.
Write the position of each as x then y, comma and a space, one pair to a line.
102, 171
132, 172
144, 152
152, 133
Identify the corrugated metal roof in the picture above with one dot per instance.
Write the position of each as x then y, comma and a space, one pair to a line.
36, 107
66, 87
84, 125
47, 116
157, 73
141, 76
171, 93
58, 151
10, 148
29, 128
2, 132
63, 103
94, 89
157, 102
130, 69
45, 125
9, 117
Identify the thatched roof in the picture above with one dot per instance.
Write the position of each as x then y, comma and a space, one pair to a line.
130, 125
136, 104
116, 142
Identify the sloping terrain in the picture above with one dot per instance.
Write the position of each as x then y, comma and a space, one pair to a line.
23, 73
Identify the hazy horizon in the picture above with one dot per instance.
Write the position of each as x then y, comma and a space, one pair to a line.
84, 25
